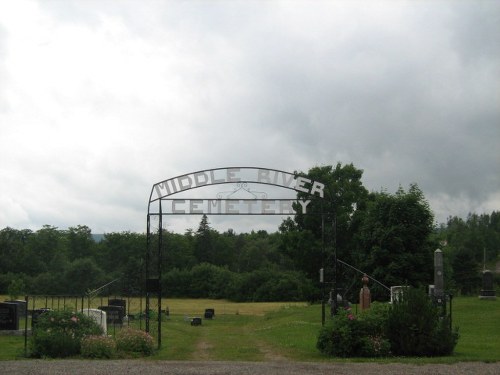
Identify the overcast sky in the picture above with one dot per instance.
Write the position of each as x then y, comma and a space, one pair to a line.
101, 99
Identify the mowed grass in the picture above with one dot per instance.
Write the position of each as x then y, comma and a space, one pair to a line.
479, 328
287, 331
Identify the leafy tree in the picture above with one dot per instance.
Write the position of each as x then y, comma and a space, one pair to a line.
394, 239
312, 241
121, 256
80, 242
83, 275
41, 249
12, 249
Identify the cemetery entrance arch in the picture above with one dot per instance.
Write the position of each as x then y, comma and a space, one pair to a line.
252, 191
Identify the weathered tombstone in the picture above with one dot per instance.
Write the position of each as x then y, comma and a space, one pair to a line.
99, 316
114, 314
9, 317
209, 313
488, 290
119, 302
196, 321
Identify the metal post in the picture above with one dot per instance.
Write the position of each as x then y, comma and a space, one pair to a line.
321, 279
26, 326
335, 268
160, 245
148, 245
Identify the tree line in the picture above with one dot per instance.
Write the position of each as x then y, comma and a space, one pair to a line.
390, 236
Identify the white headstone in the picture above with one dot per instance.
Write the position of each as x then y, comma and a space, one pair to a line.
99, 317
397, 292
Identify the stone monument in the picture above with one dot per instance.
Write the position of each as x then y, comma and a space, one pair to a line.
364, 294
99, 316
488, 290
9, 316
438, 277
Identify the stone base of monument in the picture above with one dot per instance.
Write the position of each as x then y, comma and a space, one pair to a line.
12, 332
487, 294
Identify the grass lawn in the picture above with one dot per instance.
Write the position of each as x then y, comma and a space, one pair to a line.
288, 331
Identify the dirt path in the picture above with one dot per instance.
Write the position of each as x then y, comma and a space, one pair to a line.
145, 367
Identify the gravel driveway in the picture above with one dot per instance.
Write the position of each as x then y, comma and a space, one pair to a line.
121, 367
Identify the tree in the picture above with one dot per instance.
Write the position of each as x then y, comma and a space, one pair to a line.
83, 275
313, 239
12, 249
394, 239
204, 242
41, 248
80, 242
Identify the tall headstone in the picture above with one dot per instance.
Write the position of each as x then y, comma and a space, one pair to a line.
438, 276
488, 289
365, 298
9, 317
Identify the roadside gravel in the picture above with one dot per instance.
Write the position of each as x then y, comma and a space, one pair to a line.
144, 367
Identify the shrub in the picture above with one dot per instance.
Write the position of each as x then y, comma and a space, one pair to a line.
134, 341
59, 333
351, 336
98, 347
416, 327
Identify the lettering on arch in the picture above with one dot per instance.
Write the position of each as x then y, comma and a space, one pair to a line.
217, 176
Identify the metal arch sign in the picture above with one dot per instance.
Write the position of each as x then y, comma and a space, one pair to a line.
225, 203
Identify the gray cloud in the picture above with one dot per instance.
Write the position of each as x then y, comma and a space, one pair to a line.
111, 97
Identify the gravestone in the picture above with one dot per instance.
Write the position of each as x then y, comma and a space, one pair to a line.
114, 314
397, 292
365, 298
119, 302
99, 316
488, 290
9, 317
209, 313
21, 306
196, 321
438, 277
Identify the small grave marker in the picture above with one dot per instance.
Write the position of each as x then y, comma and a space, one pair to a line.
209, 313
196, 321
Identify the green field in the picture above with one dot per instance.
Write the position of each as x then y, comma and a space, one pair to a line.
288, 331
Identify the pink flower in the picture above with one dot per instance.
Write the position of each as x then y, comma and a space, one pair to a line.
350, 317
74, 319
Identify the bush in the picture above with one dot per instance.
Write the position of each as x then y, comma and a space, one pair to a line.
416, 327
98, 347
59, 333
134, 341
351, 336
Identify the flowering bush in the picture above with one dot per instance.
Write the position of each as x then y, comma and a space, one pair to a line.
98, 347
135, 341
351, 336
59, 333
